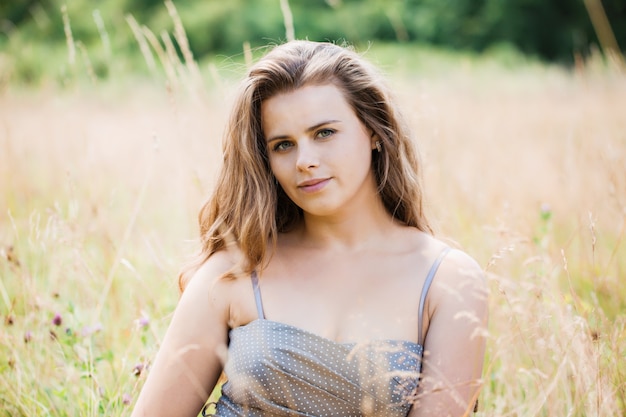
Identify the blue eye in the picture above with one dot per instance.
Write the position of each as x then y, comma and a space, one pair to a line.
282, 146
324, 133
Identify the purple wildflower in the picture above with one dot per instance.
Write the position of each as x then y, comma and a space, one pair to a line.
89, 330
137, 369
143, 321
57, 320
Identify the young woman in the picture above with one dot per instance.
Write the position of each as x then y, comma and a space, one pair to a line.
320, 289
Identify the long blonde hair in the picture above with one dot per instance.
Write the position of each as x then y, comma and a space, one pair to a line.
247, 206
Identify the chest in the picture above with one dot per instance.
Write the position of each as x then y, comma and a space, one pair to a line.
273, 366
353, 301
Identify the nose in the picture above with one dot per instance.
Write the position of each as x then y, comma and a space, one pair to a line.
308, 156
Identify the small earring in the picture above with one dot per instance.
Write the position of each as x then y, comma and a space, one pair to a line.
379, 146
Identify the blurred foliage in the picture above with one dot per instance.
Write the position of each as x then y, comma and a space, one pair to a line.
33, 35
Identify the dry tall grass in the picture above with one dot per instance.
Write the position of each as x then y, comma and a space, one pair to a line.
99, 193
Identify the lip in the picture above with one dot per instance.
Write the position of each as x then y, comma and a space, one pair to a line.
313, 185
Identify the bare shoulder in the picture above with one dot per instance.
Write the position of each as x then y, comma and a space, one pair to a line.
208, 280
458, 276
460, 280
229, 297
213, 268
458, 266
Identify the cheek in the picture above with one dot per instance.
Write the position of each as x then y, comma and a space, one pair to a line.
359, 152
278, 167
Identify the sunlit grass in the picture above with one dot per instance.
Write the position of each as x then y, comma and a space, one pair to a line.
524, 167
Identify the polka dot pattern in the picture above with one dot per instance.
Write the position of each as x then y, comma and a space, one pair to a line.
275, 369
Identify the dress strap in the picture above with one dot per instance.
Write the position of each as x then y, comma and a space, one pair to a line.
257, 294
425, 288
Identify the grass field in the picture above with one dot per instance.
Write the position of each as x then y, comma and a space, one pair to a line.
100, 184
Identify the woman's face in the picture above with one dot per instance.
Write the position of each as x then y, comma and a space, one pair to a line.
319, 151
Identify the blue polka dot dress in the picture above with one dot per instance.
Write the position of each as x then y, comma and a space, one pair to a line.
275, 369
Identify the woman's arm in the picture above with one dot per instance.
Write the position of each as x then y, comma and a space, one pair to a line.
190, 358
454, 347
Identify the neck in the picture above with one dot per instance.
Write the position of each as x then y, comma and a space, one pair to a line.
351, 231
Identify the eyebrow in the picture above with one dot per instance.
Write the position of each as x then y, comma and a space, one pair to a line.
309, 129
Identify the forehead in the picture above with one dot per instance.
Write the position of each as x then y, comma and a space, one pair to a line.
308, 104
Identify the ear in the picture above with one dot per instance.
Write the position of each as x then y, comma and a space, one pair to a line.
373, 140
